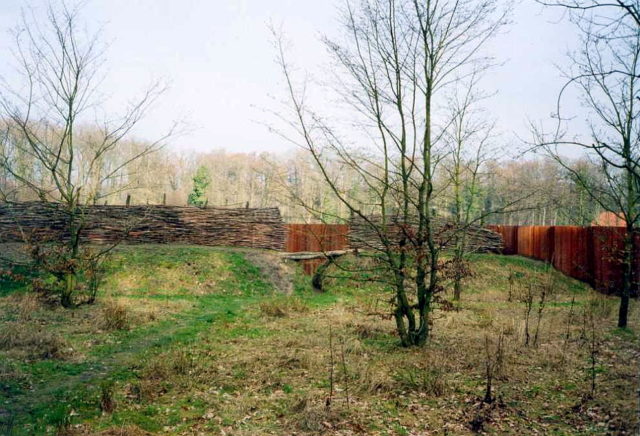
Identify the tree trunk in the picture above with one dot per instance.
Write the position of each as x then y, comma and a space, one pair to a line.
629, 262
421, 335
66, 299
403, 310
457, 288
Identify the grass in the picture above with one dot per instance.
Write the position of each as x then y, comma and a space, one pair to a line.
103, 342
190, 340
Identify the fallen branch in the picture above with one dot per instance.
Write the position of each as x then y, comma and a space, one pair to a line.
309, 255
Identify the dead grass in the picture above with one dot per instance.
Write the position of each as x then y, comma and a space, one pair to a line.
281, 307
33, 342
115, 316
125, 430
167, 365
270, 371
277, 272
27, 305
280, 383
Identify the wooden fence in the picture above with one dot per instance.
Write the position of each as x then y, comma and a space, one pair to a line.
589, 254
239, 227
316, 238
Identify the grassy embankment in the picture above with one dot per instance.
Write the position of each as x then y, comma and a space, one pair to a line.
204, 341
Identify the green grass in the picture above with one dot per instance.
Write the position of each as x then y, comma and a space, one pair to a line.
74, 385
9, 286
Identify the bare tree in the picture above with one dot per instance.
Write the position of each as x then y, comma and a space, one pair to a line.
47, 118
606, 76
394, 64
468, 137
629, 8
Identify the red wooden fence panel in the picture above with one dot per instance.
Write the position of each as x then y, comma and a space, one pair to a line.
608, 244
573, 252
316, 238
525, 240
589, 254
543, 242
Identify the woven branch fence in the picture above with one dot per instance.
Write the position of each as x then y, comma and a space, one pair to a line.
241, 227
590, 254
363, 235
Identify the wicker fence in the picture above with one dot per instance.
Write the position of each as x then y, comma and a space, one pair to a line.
240, 227
590, 254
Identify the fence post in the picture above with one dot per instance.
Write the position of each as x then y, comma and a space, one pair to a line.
128, 202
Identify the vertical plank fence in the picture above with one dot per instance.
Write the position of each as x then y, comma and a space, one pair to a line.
589, 254
316, 238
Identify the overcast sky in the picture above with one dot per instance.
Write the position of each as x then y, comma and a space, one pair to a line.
218, 59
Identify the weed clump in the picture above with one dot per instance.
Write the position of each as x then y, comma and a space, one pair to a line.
367, 330
34, 343
430, 381
26, 305
281, 308
115, 316
166, 365
314, 418
107, 400
129, 430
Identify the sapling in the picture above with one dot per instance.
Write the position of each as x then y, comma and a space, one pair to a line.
345, 372
527, 299
494, 364
546, 291
511, 279
593, 342
567, 334
329, 399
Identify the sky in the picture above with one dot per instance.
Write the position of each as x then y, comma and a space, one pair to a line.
217, 58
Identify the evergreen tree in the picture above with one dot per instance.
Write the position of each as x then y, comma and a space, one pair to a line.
201, 181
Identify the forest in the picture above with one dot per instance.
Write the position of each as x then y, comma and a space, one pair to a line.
545, 192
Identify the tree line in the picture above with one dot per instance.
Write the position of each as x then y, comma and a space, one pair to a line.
548, 194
